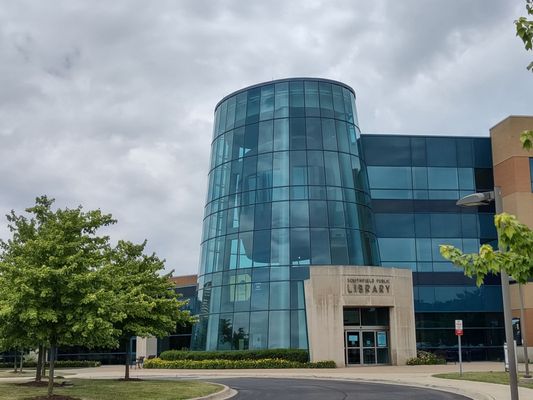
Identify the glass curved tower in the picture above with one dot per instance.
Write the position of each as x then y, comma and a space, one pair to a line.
288, 188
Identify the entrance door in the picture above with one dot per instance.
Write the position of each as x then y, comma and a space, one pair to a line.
366, 346
369, 347
366, 335
353, 347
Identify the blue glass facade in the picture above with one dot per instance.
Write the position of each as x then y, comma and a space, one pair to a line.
292, 183
287, 188
415, 182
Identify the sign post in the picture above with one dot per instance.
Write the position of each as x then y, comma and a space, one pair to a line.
459, 333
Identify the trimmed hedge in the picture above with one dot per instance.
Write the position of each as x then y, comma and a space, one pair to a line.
58, 364
426, 358
301, 356
157, 363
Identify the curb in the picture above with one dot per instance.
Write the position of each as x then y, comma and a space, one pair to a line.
225, 393
447, 389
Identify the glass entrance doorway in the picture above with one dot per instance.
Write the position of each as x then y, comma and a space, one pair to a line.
366, 344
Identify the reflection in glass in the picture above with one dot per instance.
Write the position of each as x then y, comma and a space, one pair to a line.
286, 189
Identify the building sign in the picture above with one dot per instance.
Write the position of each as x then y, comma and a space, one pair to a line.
368, 286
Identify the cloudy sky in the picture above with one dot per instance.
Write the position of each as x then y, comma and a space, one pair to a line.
109, 104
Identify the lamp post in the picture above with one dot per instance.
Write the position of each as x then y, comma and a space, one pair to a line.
481, 199
523, 330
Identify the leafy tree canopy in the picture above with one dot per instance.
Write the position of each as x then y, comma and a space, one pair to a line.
147, 300
524, 30
527, 140
516, 258
50, 286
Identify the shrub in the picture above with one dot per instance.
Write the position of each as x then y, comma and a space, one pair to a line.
297, 355
157, 363
426, 358
58, 364
322, 364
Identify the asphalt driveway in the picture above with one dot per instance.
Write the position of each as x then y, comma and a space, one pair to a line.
311, 389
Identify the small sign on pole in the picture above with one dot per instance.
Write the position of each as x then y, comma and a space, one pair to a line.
459, 333
459, 327
506, 356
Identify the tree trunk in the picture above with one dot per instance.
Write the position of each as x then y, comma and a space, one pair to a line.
53, 351
128, 361
21, 360
15, 365
39, 368
44, 360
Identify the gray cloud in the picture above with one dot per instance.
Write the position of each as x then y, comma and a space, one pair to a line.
110, 104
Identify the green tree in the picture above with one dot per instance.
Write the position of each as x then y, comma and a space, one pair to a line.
51, 283
526, 138
524, 30
515, 241
147, 300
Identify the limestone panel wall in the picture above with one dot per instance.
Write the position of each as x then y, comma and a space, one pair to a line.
330, 288
146, 346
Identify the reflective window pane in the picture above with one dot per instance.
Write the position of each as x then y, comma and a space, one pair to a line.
338, 247
299, 212
298, 168
315, 169
329, 135
279, 330
281, 109
267, 102
279, 247
258, 330
299, 243
320, 247
252, 110
313, 128
298, 330
443, 178
279, 295
296, 99
312, 107
441, 152
280, 169
265, 140
240, 110
326, 100
297, 139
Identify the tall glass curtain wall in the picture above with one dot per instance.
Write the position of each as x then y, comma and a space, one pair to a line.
287, 189
415, 182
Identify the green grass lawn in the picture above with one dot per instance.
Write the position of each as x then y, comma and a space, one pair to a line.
490, 377
99, 389
30, 372
8, 373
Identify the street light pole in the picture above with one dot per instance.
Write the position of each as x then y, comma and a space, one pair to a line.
478, 199
523, 330
507, 313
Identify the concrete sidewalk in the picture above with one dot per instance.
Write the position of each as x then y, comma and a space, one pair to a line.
419, 376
